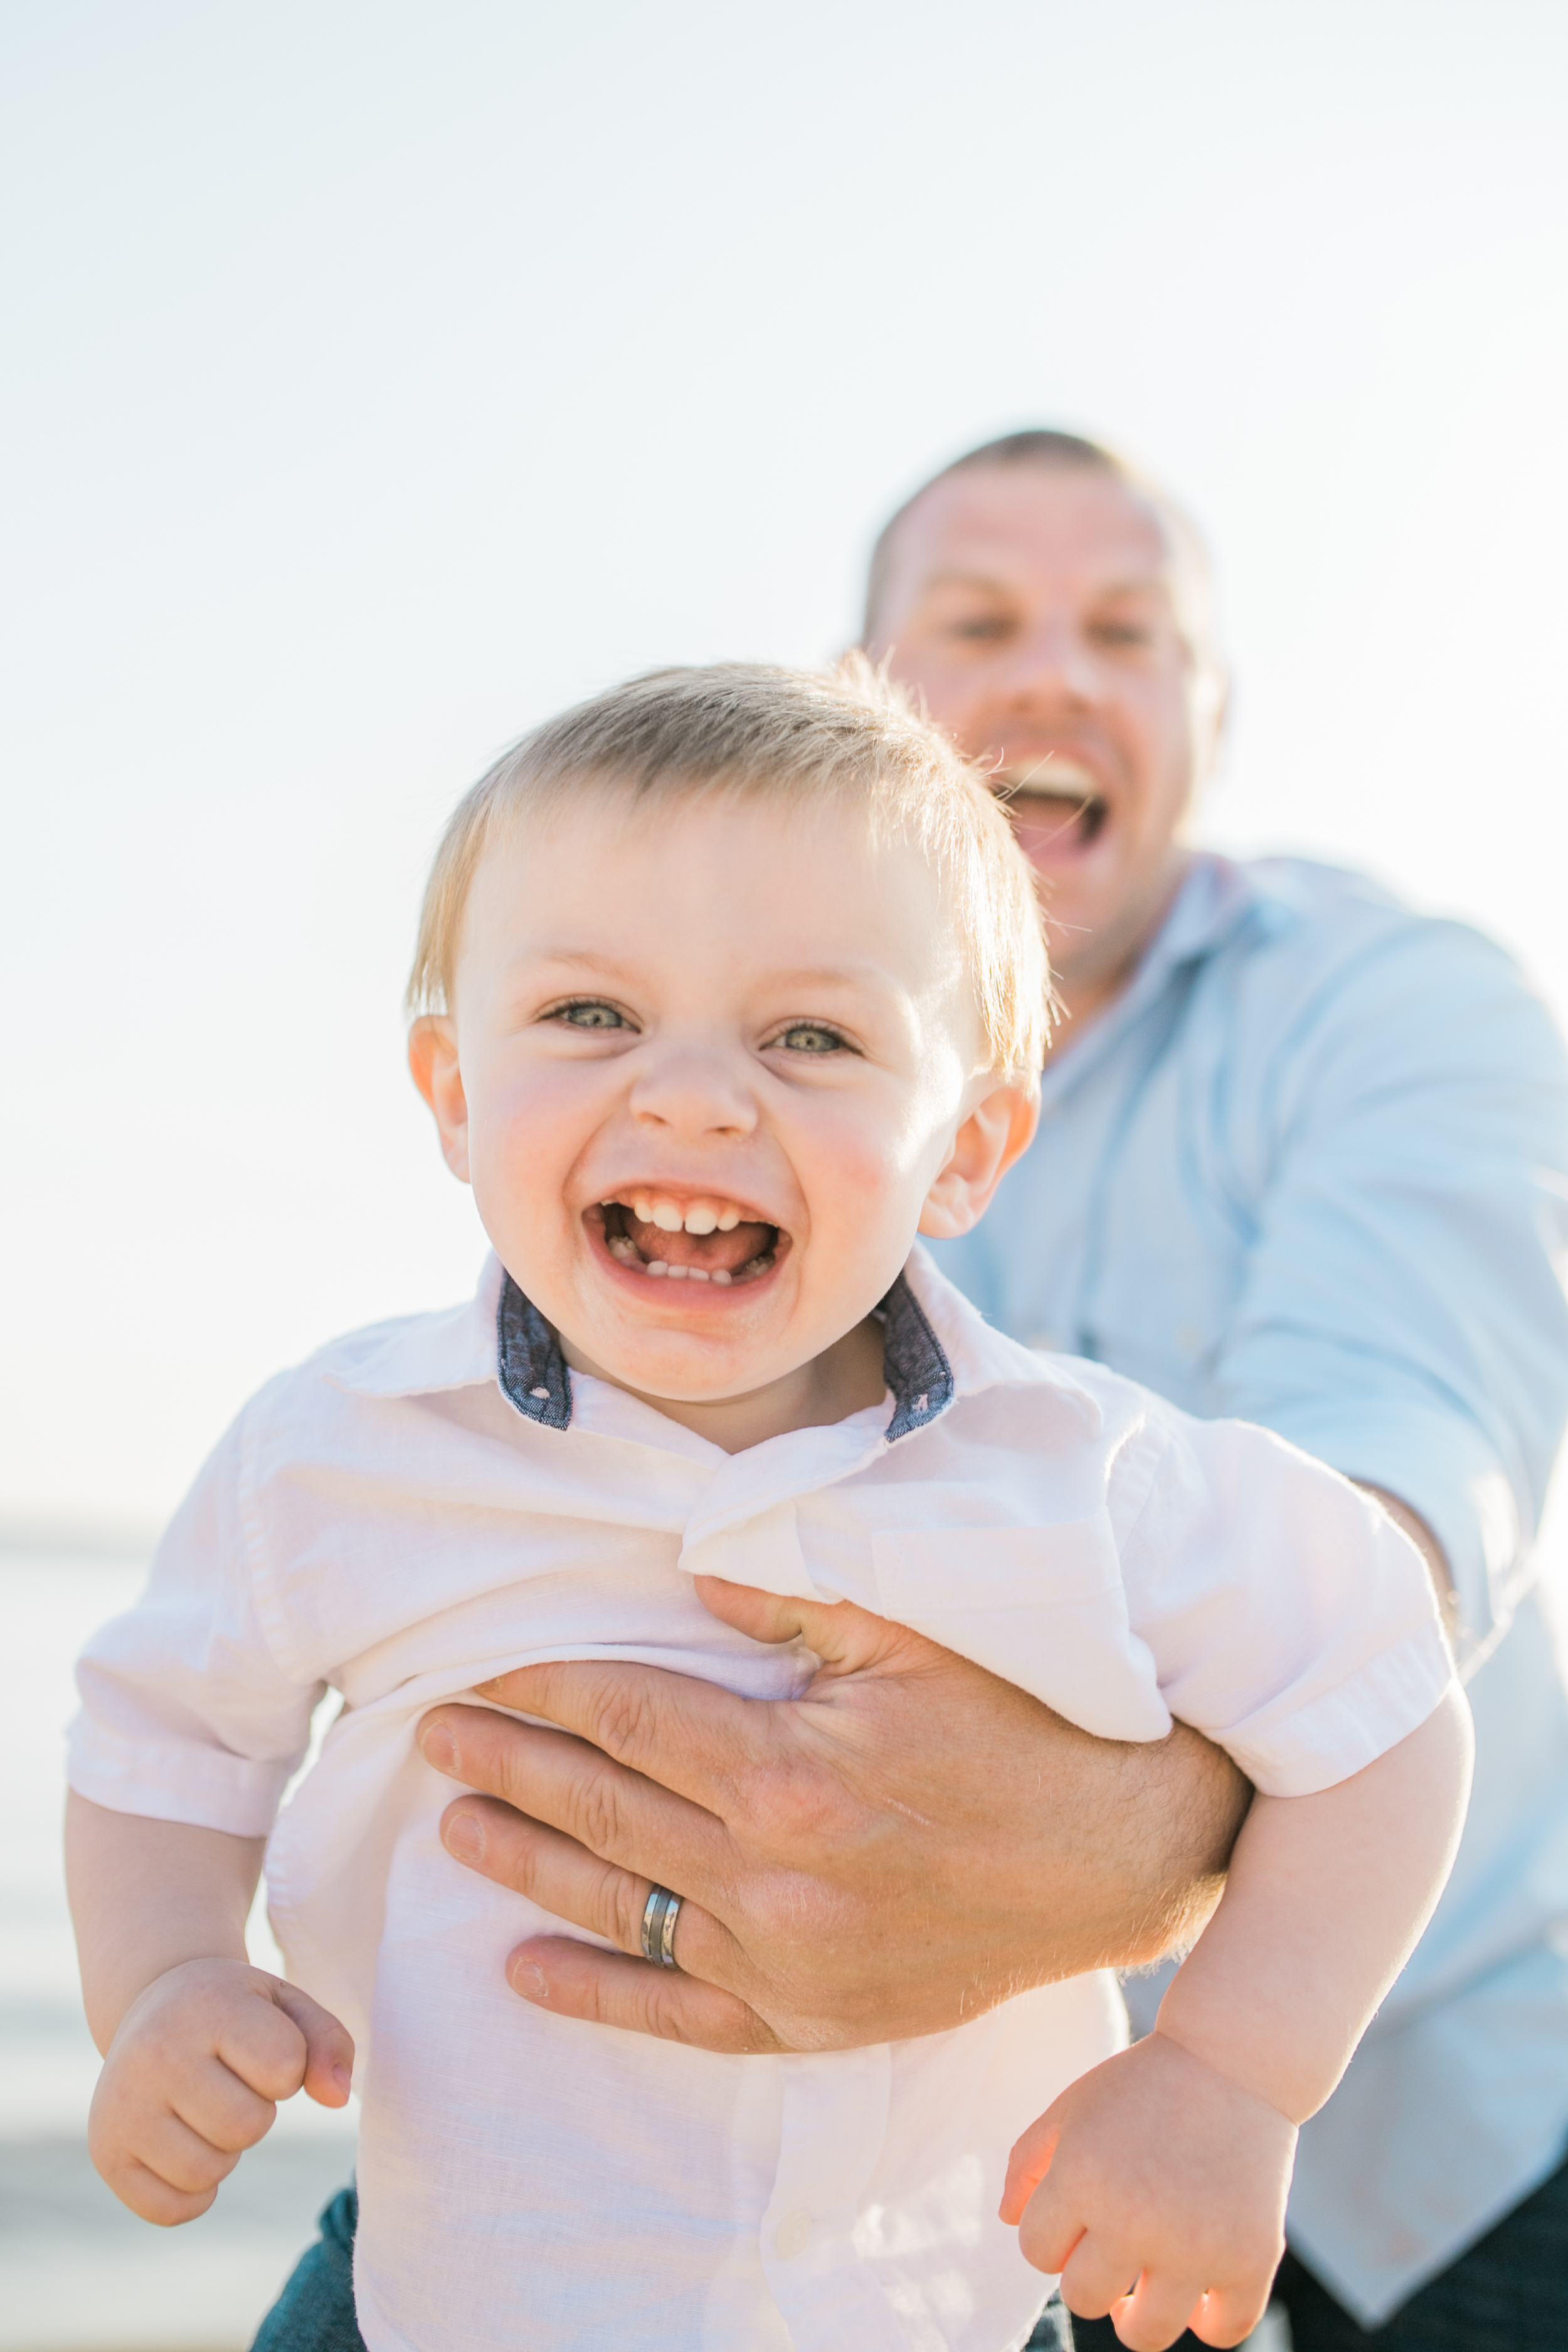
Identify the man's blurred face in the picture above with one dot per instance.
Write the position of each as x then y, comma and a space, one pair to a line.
1038, 609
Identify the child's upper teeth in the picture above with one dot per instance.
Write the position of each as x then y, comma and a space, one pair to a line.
695, 1217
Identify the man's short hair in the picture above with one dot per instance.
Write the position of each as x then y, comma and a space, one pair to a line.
844, 738
1043, 445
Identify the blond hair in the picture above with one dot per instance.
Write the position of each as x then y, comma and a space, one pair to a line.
844, 738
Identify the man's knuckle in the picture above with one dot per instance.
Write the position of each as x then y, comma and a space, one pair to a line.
623, 1722
623, 1905
789, 1806
514, 1858
599, 1813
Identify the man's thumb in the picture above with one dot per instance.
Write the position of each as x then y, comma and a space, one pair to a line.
329, 2046
848, 1640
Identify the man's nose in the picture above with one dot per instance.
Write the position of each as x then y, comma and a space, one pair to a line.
694, 1090
1050, 664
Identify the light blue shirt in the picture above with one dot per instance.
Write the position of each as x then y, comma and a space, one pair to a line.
1311, 1170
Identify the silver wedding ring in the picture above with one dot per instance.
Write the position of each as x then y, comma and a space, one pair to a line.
659, 1914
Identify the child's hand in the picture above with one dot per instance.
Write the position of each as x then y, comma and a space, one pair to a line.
1156, 2186
193, 2077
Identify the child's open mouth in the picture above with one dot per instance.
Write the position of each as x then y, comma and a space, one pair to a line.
704, 1240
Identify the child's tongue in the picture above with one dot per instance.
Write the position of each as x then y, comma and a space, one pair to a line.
729, 1251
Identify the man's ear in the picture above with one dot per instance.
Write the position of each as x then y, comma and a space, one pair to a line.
998, 1130
433, 1058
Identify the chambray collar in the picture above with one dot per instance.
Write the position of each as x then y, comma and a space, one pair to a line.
937, 1349
534, 1375
1215, 896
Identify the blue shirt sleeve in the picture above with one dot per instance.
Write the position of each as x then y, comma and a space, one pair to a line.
1402, 1313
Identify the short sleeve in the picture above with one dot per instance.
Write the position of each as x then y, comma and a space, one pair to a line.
186, 1714
1290, 1620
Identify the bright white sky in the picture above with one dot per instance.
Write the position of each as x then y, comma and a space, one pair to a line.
384, 376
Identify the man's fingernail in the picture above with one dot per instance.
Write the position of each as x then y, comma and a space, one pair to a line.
527, 1979
343, 2077
438, 1749
464, 1837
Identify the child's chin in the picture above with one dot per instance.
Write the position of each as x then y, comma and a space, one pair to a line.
686, 1368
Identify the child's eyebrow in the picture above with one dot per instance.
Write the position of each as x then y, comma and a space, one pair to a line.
583, 959
835, 975
863, 974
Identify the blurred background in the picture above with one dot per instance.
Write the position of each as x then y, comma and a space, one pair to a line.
381, 377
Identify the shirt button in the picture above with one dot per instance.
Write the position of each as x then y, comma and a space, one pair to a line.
793, 2235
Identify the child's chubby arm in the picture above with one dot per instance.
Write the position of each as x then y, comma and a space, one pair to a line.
1156, 2184
198, 2045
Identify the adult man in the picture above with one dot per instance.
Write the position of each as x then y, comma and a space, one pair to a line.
1304, 1157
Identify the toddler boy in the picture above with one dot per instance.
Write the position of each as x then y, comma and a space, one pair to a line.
728, 983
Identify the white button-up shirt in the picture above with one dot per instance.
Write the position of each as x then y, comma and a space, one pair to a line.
436, 1500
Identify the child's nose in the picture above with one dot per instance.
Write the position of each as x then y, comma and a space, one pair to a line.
694, 1091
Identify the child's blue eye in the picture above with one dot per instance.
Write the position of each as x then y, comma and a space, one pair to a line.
806, 1037
590, 1016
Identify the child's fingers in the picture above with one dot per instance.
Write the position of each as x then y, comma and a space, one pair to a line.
1229, 2314
182, 2157
259, 2042
1097, 2272
280, 2040
192, 2088
155, 2162
329, 2045
1155, 2313
218, 2106
1051, 2227
152, 2199
1028, 2165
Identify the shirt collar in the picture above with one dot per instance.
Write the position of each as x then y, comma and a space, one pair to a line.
534, 1375
1215, 898
937, 1347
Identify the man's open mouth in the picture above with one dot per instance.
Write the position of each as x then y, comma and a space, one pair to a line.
706, 1240
1056, 804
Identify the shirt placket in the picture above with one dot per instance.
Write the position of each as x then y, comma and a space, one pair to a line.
833, 2123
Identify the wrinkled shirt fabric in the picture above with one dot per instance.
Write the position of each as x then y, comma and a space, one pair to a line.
436, 1501
1311, 1170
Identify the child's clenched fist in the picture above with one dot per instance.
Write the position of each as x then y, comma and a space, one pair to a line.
193, 2076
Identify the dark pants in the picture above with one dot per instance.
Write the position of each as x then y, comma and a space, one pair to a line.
315, 2312
1509, 2293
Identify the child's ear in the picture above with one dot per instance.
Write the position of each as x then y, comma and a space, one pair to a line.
433, 1058
998, 1130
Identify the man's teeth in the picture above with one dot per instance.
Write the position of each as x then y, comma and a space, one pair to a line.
1054, 779
697, 1217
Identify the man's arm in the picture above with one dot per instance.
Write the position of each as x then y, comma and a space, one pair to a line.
1403, 1314
907, 1844
1412, 1523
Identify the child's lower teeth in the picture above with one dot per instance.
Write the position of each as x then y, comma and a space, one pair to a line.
624, 1250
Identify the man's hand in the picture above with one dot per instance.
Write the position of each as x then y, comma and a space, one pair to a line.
1157, 2188
193, 2077
905, 1846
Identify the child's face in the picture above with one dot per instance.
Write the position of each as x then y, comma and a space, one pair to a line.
734, 1042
